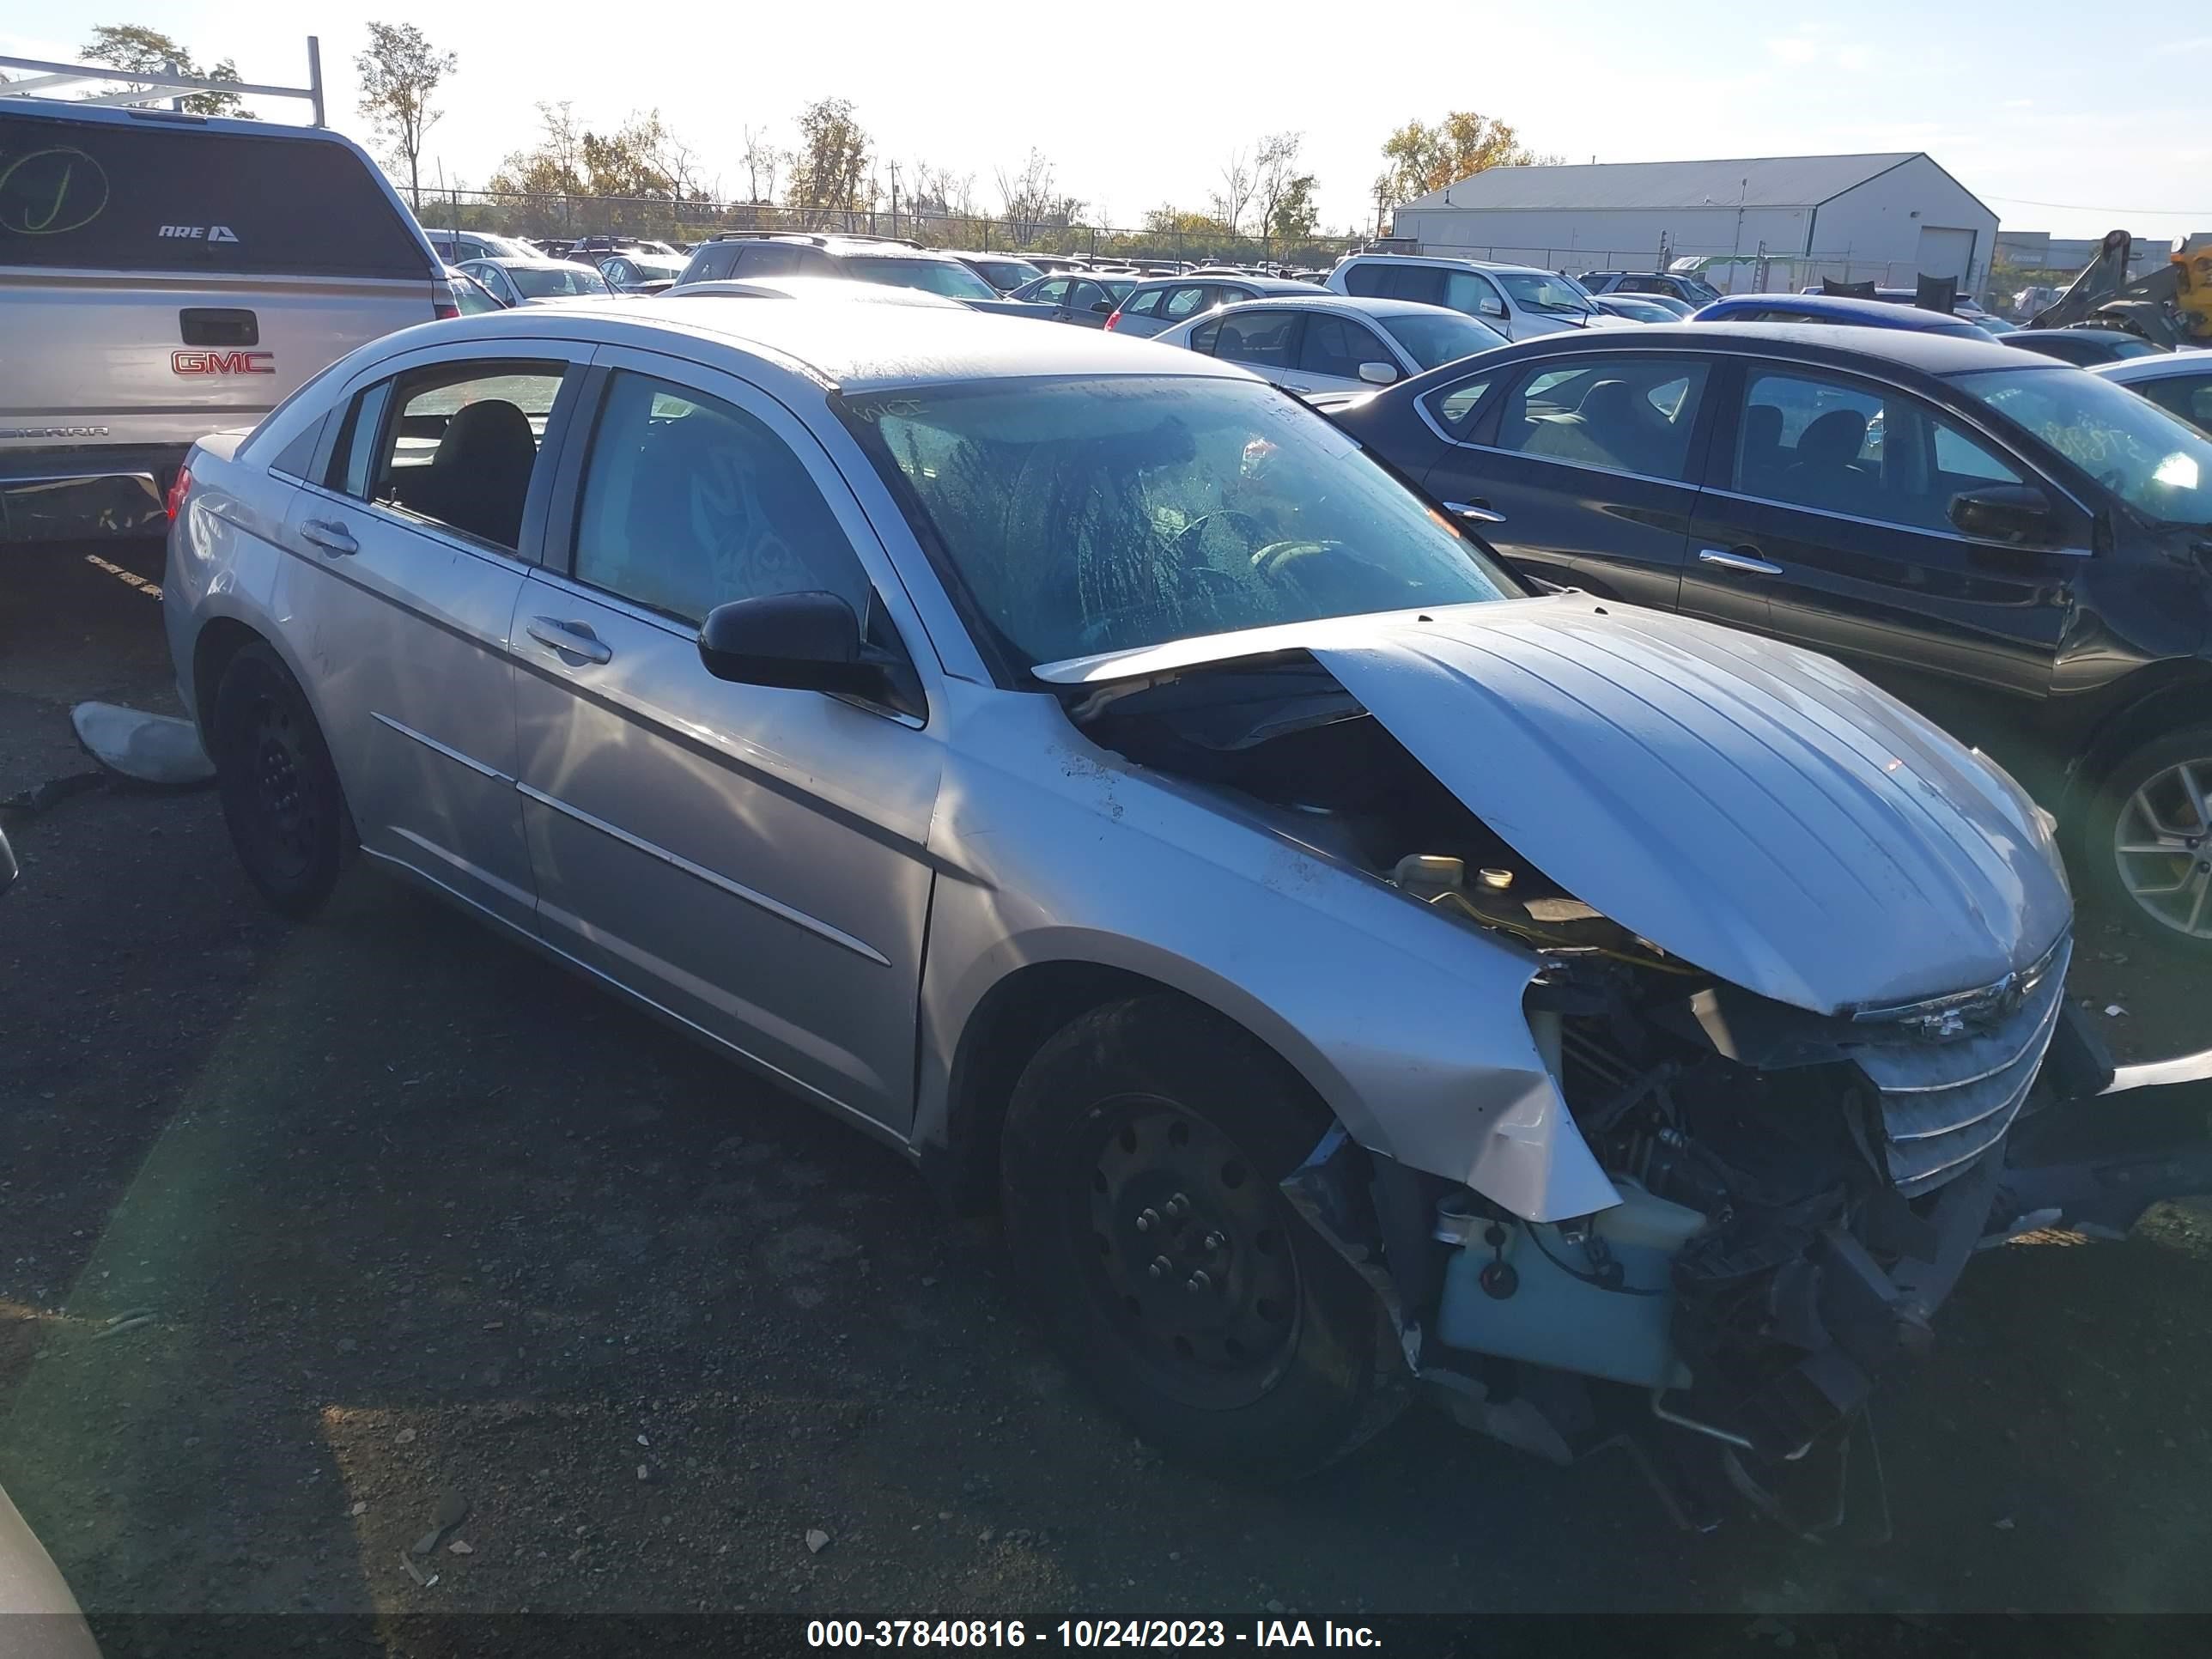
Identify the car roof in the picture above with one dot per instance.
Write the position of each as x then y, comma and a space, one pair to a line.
507, 261
1450, 259
1939, 354
1308, 297
871, 348
1263, 285
1879, 314
2155, 366
817, 288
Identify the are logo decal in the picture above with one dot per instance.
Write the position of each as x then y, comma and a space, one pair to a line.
222, 363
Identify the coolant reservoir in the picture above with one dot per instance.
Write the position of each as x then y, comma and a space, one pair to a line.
1554, 1318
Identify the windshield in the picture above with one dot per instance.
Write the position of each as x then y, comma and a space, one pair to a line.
1544, 291
946, 276
1084, 516
2150, 460
1443, 338
555, 282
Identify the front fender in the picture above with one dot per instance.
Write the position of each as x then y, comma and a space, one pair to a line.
1409, 1025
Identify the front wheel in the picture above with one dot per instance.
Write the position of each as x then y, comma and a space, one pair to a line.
2147, 839
280, 792
1140, 1171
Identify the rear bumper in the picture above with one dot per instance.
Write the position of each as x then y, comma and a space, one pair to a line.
108, 491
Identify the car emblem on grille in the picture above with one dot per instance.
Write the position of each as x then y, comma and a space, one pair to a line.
1942, 1018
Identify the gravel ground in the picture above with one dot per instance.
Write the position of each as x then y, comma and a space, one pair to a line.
314, 1240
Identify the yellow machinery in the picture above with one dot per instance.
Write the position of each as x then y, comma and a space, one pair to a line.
2170, 306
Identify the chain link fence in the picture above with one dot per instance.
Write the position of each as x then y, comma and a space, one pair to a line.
528, 214
1727, 269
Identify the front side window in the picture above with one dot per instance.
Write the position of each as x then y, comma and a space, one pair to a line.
1049, 293
689, 502
1337, 347
1172, 506
1263, 339
2154, 462
1632, 414
456, 444
2188, 396
1871, 453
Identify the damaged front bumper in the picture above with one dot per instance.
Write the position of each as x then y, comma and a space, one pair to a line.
1728, 1358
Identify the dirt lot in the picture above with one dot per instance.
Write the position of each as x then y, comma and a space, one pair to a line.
422, 1222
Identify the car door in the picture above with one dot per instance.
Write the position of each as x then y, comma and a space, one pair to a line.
418, 527
1827, 521
1579, 468
1331, 349
749, 859
1089, 304
1053, 295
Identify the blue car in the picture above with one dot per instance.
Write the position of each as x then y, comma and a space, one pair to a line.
1829, 308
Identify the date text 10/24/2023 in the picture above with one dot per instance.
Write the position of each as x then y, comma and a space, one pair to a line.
1086, 1633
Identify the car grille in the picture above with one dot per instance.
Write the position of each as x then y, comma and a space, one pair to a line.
1945, 1102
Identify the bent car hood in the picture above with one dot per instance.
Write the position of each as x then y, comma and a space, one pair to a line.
1755, 808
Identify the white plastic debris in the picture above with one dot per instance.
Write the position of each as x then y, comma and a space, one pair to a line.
149, 748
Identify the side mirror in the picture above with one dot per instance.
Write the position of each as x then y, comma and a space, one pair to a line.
2020, 514
1493, 307
802, 642
1103, 307
1379, 374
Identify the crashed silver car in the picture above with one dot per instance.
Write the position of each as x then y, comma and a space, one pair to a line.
1074, 762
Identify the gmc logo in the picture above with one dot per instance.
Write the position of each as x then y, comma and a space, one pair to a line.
222, 363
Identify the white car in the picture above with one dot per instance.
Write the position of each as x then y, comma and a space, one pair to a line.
2178, 382
1328, 343
1519, 301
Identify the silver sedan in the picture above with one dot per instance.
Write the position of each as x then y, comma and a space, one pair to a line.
1317, 343
1074, 764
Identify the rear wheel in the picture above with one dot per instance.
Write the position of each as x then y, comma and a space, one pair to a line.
2147, 839
280, 793
1143, 1151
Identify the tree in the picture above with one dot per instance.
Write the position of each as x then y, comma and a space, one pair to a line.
831, 161
148, 51
1285, 194
399, 73
1237, 181
545, 175
1032, 201
1421, 158
763, 161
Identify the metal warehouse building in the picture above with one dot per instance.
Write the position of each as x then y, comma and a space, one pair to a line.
1775, 221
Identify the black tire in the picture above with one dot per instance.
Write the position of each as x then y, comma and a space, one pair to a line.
1278, 1360
2151, 770
280, 793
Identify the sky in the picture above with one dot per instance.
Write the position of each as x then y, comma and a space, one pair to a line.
1134, 115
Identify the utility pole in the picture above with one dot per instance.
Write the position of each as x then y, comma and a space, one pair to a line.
894, 168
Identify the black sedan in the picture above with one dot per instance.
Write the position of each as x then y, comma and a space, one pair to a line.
2021, 550
2085, 348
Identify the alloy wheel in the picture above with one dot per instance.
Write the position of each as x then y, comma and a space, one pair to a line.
2162, 848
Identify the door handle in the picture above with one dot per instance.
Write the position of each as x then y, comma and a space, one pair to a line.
570, 638
1743, 562
1480, 512
333, 538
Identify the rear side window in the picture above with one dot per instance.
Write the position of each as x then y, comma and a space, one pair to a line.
1626, 414
1186, 301
1368, 280
711, 263
1146, 303
159, 196
456, 444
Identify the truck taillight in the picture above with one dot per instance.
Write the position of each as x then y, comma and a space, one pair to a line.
442, 302
178, 491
